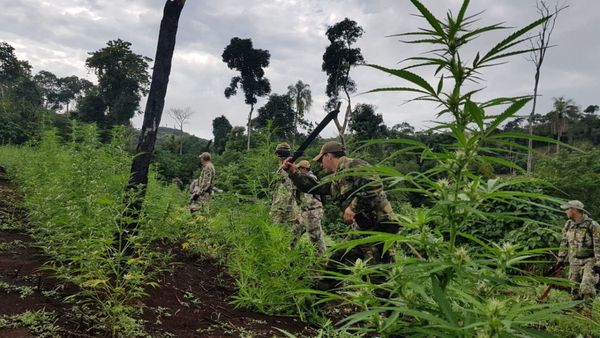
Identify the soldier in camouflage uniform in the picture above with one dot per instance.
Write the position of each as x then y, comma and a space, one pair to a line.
284, 206
201, 189
580, 247
361, 198
311, 213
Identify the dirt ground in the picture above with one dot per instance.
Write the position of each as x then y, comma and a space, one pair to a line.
192, 301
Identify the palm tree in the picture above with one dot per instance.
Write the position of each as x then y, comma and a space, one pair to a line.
301, 101
564, 110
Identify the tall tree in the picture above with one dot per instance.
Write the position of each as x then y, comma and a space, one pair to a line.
221, 129
366, 124
20, 98
91, 107
71, 88
49, 87
278, 110
591, 109
301, 97
338, 59
539, 46
136, 187
180, 116
563, 112
11, 68
122, 79
241, 56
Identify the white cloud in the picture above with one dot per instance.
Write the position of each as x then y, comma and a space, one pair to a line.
57, 35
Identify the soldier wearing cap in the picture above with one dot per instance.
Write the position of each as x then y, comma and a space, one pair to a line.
360, 197
284, 206
201, 189
580, 247
311, 213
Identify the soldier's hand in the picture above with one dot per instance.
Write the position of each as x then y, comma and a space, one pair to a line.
349, 216
289, 166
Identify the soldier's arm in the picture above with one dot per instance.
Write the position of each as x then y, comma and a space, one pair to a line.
309, 184
205, 179
564, 244
193, 185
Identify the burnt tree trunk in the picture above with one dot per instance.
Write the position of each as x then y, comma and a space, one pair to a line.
138, 180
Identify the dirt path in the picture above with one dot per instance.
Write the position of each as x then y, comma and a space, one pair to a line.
191, 302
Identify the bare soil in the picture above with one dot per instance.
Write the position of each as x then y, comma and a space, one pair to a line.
192, 300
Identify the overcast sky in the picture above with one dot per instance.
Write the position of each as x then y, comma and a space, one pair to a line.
56, 35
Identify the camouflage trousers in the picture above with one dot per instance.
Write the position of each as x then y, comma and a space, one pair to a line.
310, 221
199, 204
284, 217
581, 273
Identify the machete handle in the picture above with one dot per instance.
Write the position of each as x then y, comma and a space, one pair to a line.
311, 137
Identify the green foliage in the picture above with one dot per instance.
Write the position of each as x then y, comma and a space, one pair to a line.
11, 68
176, 155
20, 99
221, 129
40, 323
256, 252
74, 197
58, 92
122, 79
526, 221
251, 173
277, 114
301, 97
450, 283
241, 56
249, 61
574, 175
340, 56
366, 124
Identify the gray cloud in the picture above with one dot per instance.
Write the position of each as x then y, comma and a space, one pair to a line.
57, 35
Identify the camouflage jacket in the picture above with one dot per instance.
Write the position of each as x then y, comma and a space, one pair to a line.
204, 183
284, 196
309, 201
363, 194
580, 241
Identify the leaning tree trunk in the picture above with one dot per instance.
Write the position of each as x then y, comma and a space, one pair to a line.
138, 180
249, 129
530, 121
341, 127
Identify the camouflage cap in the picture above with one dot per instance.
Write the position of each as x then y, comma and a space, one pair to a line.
575, 204
282, 150
329, 147
282, 146
204, 156
304, 164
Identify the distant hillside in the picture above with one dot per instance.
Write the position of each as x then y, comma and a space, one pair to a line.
163, 131
171, 131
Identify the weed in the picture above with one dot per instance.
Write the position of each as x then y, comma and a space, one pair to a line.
40, 323
12, 245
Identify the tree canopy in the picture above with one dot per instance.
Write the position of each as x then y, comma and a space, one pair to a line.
339, 57
122, 79
221, 129
278, 111
366, 124
249, 62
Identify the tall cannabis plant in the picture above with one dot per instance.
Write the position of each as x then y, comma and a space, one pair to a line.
452, 283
